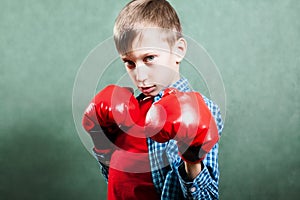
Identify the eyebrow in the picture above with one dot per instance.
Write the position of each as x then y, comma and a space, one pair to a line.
144, 54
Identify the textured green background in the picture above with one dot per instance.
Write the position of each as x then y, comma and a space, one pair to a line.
255, 45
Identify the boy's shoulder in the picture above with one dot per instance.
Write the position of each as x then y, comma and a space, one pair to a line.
215, 111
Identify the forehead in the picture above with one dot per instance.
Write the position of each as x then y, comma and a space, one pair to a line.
148, 40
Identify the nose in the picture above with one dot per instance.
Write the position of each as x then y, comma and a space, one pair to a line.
141, 73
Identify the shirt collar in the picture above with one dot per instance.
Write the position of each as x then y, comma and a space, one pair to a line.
182, 85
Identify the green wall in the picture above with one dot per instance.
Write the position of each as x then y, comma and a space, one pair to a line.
255, 44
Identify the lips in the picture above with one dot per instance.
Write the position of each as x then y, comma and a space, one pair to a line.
147, 89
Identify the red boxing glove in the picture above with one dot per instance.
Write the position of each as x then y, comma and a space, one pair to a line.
112, 109
184, 117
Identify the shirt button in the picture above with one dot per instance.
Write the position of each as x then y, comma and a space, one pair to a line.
193, 189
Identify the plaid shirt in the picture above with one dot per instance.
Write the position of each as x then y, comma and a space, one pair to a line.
167, 168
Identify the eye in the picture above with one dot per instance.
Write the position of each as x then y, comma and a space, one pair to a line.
149, 59
129, 64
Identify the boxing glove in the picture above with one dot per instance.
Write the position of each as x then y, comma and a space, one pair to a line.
113, 109
184, 117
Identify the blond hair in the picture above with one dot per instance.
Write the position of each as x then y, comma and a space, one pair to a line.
140, 14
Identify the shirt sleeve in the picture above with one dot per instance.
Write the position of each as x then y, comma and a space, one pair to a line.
206, 184
103, 164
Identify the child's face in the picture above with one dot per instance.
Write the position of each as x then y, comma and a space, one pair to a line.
152, 64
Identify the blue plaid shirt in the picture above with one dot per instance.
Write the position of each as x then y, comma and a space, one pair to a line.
167, 168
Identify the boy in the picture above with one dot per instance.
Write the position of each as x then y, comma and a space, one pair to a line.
162, 144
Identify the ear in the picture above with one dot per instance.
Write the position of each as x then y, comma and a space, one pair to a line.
179, 49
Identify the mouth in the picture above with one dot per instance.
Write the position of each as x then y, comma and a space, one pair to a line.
147, 89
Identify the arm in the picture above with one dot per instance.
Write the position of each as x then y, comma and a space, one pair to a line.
192, 170
198, 174
205, 184
110, 110
104, 165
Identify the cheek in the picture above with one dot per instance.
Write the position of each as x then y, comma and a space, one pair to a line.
165, 76
132, 75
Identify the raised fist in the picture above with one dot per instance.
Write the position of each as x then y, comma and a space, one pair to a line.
112, 109
184, 117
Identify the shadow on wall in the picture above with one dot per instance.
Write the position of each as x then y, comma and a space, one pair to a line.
41, 162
